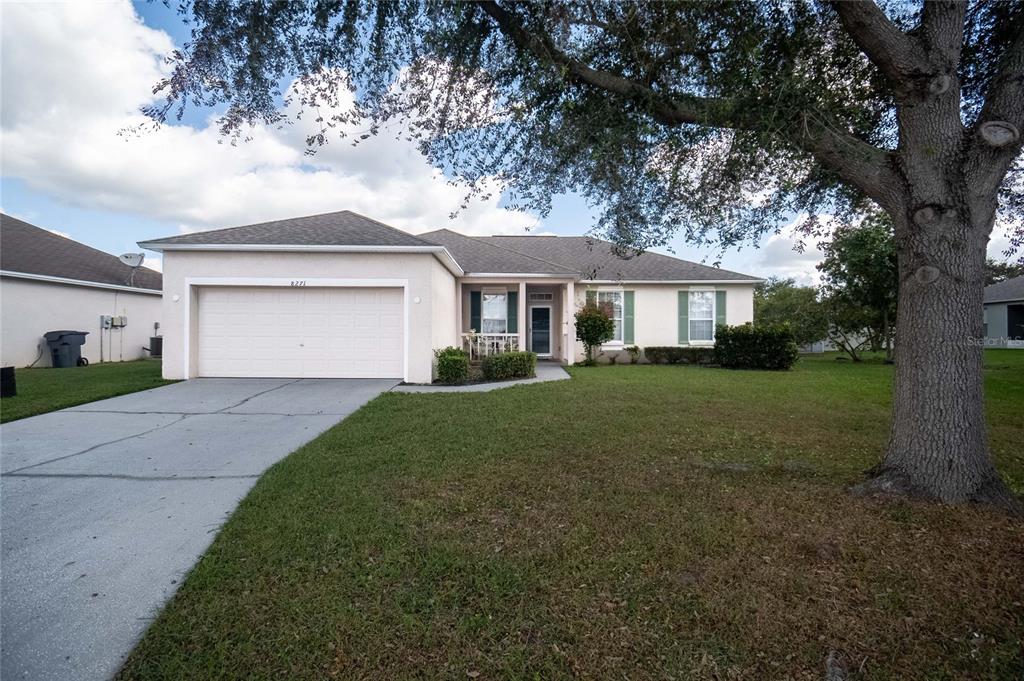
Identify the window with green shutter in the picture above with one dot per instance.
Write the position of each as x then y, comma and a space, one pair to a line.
684, 317
474, 311
720, 307
628, 315
513, 312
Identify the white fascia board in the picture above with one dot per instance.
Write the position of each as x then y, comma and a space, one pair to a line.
519, 275
1000, 302
450, 263
692, 282
440, 252
79, 282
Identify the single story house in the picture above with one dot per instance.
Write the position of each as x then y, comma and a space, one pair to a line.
1004, 314
342, 295
51, 283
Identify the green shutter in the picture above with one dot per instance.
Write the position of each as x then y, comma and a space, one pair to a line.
684, 317
591, 297
513, 311
627, 317
474, 311
720, 307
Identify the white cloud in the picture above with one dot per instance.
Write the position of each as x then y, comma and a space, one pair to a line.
780, 254
62, 115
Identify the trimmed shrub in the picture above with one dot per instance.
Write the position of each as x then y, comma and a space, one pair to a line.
506, 365
452, 365
749, 346
672, 354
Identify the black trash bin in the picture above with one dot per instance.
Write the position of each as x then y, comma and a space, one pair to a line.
66, 348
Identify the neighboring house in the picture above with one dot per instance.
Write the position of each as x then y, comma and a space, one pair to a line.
1004, 314
341, 295
50, 283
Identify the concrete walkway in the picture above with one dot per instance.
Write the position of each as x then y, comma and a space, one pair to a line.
104, 507
546, 371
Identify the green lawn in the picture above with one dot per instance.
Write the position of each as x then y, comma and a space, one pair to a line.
636, 522
43, 390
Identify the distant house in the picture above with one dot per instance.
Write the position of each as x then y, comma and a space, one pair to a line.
50, 283
1004, 314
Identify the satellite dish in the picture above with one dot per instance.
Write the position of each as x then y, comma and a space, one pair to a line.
132, 259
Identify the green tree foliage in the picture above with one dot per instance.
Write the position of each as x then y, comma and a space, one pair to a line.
861, 282
594, 326
664, 115
782, 301
997, 271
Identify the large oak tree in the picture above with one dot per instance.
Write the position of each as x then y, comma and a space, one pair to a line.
714, 119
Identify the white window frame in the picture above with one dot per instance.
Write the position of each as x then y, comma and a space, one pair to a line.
690, 319
615, 342
483, 316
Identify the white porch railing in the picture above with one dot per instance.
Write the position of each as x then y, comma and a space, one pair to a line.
480, 345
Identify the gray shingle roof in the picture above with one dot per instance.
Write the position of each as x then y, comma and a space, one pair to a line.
475, 254
343, 228
584, 257
29, 249
596, 259
1011, 289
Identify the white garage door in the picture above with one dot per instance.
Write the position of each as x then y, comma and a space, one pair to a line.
300, 332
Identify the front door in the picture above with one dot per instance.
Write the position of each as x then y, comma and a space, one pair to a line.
540, 330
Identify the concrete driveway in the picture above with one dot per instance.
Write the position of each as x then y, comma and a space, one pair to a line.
105, 506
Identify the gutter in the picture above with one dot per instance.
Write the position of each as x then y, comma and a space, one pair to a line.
671, 281
440, 252
79, 282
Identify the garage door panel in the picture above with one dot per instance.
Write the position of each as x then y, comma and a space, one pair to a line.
301, 332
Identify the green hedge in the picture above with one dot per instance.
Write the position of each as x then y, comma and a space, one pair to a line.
672, 354
452, 365
505, 365
749, 346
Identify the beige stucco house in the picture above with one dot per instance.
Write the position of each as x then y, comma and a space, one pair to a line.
51, 283
341, 295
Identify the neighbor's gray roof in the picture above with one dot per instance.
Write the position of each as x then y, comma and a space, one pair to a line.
29, 249
595, 259
1011, 289
343, 228
476, 255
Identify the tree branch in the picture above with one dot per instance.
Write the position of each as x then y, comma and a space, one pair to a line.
698, 110
1001, 119
854, 160
894, 52
942, 31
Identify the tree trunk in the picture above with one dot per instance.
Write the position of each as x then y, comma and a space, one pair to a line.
938, 447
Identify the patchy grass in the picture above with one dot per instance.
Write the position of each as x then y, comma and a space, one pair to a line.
636, 522
44, 390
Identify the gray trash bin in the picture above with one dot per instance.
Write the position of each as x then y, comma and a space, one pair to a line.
66, 348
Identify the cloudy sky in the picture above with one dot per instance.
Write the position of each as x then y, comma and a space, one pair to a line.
74, 75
